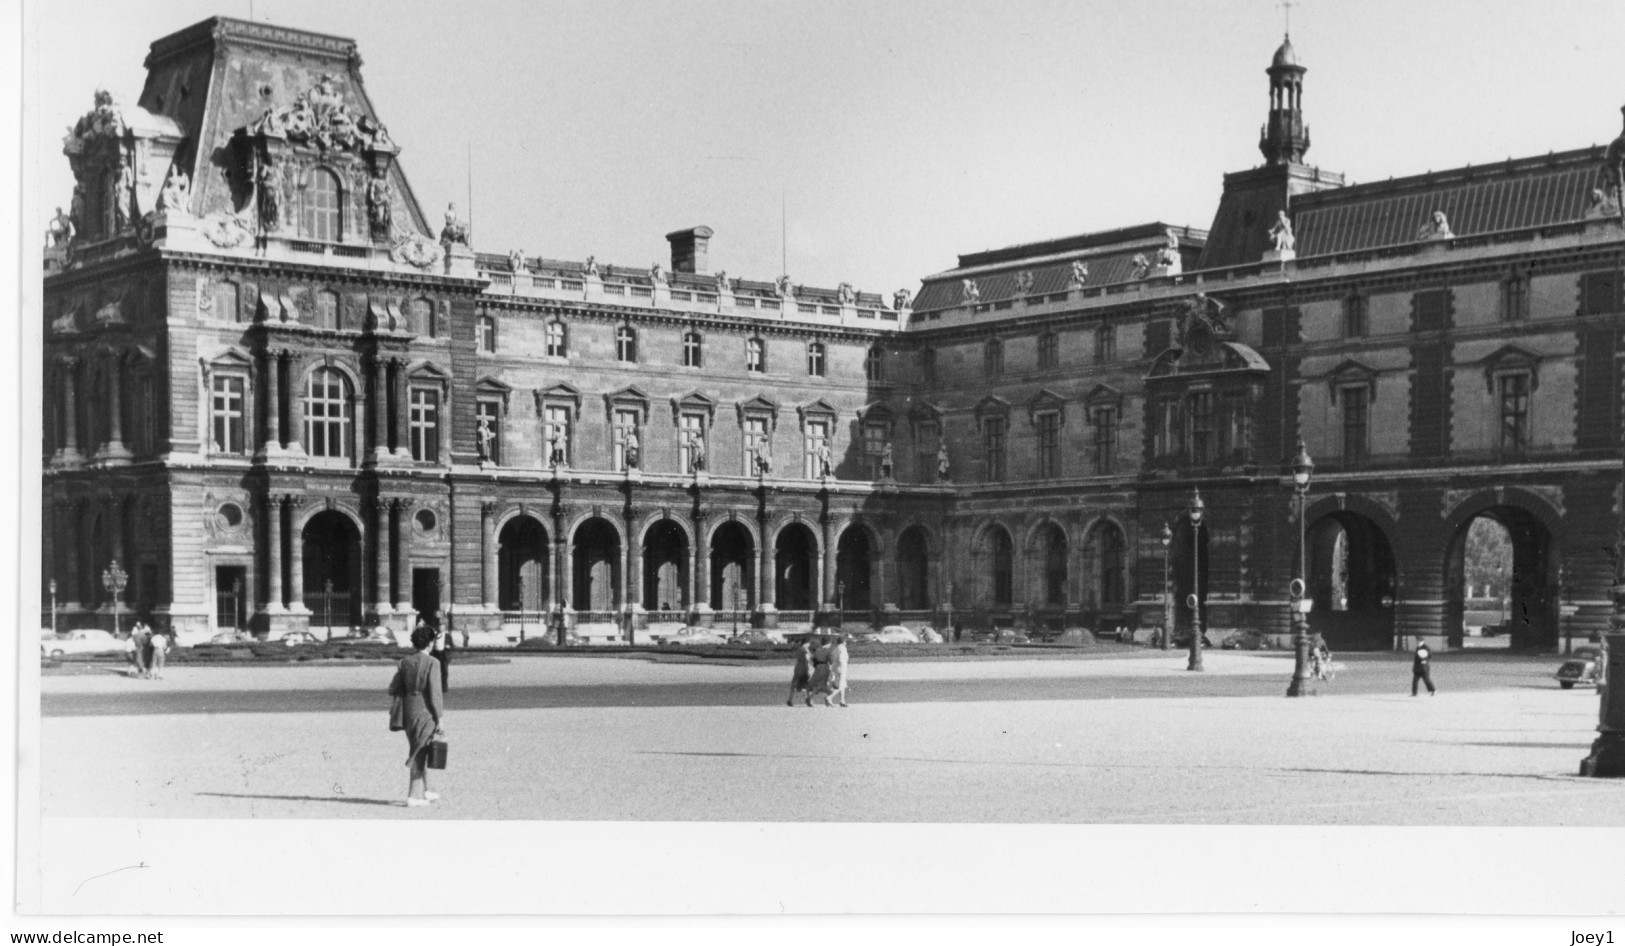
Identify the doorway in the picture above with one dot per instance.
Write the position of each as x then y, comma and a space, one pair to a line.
426, 595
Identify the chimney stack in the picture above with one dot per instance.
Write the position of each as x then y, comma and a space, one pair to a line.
689, 248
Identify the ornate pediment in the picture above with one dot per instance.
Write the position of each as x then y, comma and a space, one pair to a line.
1204, 319
816, 409
1104, 395
876, 411
630, 397
692, 403
1045, 402
757, 406
1217, 358
992, 406
320, 117
559, 395
1351, 373
1510, 359
924, 412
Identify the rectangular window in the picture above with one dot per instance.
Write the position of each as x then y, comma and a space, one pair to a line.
556, 347
424, 422
874, 366
1514, 414
993, 358
1105, 423
693, 353
488, 430
485, 334
1355, 308
1432, 310
1049, 446
874, 447
993, 447
928, 365
753, 355
1515, 299
1201, 428
926, 439
626, 436
690, 434
1165, 445
1105, 344
556, 428
817, 442
1049, 350
228, 414
755, 443
1356, 423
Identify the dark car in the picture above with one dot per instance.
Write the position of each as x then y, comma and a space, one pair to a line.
1246, 640
1582, 668
1182, 638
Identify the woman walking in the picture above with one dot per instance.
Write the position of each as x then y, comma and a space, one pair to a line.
417, 684
837, 672
801, 679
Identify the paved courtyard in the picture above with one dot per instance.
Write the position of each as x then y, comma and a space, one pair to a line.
1126, 740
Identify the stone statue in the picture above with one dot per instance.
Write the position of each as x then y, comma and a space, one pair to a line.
486, 435
826, 464
1024, 282
697, 453
60, 231
1613, 172
1436, 229
1602, 205
1281, 233
516, 261
886, 462
76, 209
1168, 253
900, 299
632, 449
764, 460
380, 195
942, 461
784, 287
969, 292
845, 294
657, 276
270, 198
1141, 266
177, 189
591, 266
123, 194
1080, 273
555, 452
455, 231
722, 280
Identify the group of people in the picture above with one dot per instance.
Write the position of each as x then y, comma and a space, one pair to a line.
820, 670
146, 649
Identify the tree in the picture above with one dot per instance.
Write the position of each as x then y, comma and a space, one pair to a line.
1488, 558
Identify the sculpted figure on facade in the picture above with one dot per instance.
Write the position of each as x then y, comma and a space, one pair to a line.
380, 198
1168, 253
591, 266
784, 286
555, 450
1080, 273
60, 231
845, 294
1140, 266
969, 292
826, 464
76, 208
104, 119
1613, 173
455, 231
696, 454
900, 299
123, 194
722, 280
177, 190
486, 436
657, 275
886, 461
516, 261
1438, 228
1281, 233
269, 198
943, 470
1024, 282
633, 449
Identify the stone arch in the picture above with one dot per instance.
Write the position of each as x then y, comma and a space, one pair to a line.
574, 523
1533, 524
1320, 506
717, 522
524, 562
1047, 551
665, 545
1106, 567
797, 558
1482, 500
915, 563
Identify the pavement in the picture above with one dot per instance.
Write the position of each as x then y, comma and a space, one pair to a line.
1090, 741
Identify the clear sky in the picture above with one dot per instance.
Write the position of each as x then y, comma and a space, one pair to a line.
898, 133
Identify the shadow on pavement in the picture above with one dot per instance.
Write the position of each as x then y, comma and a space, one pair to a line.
1537, 777
339, 799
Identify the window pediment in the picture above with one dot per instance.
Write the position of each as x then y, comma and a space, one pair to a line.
692, 403
1351, 374
1510, 359
876, 412
560, 395
816, 410
231, 356
758, 406
489, 387
1104, 395
630, 397
1046, 402
992, 406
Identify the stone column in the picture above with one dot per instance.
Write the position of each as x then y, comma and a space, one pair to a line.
403, 442
273, 554
634, 579
296, 562
765, 583
380, 531
294, 436
374, 386
115, 410
70, 395
403, 556
830, 563
70, 522
702, 570
273, 402
488, 553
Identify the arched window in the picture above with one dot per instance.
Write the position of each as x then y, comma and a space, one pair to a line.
626, 344
816, 364
1003, 550
1109, 558
755, 355
327, 414
323, 216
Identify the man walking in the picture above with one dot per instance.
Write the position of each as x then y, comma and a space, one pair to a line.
1420, 670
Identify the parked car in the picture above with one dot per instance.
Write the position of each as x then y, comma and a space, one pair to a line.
890, 634
82, 642
1244, 640
693, 637
1182, 638
231, 637
299, 638
756, 637
1584, 667
1002, 635
930, 635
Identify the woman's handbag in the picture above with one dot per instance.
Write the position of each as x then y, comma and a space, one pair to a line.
437, 753
397, 713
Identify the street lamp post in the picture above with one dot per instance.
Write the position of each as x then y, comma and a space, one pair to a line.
327, 606
739, 605
1167, 593
1302, 469
948, 632
840, 603
519, 588
1197, 509
53, 606
114, 580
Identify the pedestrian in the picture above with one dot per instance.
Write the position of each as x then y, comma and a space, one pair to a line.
837, 672
442, 653
140, 637
801, 679
160, 645
1420, 670
820, 667
422, 713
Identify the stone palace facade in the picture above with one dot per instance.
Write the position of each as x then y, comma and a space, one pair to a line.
282, 396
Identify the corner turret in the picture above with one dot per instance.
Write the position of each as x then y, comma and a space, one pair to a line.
1285, 138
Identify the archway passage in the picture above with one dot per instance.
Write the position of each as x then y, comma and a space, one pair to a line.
665, 567
522, 566
1350, 579
1509, 553
795, 568
596, 554
733, 554
913, 570
1048, 554
332, 570
1002, 555
1106, 554
852, 569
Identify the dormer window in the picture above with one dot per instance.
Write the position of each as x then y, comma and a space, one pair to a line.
323, 216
